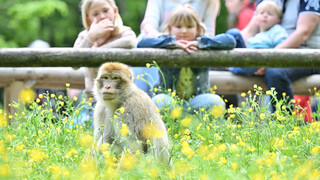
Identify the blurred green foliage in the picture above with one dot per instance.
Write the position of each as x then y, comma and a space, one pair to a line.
59, 21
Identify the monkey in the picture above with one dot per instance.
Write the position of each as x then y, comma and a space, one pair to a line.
114, 88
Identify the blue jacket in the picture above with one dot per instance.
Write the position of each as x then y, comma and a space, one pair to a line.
218, 42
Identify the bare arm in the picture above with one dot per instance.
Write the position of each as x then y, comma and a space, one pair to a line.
250, 30
151, 22
305, 25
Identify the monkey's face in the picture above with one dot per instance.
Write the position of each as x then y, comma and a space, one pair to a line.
109, 86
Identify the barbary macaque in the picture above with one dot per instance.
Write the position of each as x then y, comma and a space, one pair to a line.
114, 89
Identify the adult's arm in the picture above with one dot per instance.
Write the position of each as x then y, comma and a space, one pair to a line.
211, 16
151, 22
305, 26
250, 30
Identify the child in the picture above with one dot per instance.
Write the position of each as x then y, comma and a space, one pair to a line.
271, 33
103, 29
185, 31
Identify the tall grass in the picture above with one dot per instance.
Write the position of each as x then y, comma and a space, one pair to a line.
47, 139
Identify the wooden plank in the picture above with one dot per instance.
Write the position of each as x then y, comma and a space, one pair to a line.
91, 57
228, 83
46, 77
56, 78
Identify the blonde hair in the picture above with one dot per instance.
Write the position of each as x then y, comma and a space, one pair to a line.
185, 14
85, 5
270, 6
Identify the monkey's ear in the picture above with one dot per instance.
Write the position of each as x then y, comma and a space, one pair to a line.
131, 74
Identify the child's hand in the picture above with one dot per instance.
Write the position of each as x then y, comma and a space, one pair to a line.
187, 45
97, 29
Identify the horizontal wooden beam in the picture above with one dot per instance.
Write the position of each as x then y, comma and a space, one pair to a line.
57, 77
228, 83
43, 78
70, 57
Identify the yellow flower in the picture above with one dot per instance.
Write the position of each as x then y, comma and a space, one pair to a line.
223, 160
67, 85
262, 116
315, 150
75, 98
151, 131
124, 130
85, 140
128, 161
3, 121
20, 147
122, 110
187, 150
60, 97
52, 95
217, 111
233, 148
4, 170
138, 77
176, 112
277, 143
243, 94
38, 155
185, 122
104, 147
234, 166
27, 95
268, 92
153, 173
148, 65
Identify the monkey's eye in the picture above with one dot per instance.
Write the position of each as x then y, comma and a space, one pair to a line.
115, 78
104, 77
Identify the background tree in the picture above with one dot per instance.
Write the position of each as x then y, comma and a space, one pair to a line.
59, 21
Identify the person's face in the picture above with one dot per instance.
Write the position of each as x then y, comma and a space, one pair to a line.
100, 10
266, 19
184, 31
233, 6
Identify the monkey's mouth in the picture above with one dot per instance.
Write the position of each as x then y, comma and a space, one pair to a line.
109, 96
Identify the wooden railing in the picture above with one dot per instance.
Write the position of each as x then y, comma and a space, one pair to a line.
51, 67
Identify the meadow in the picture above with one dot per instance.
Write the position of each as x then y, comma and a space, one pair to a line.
46, 138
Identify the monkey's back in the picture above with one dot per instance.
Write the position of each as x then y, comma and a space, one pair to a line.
144, 111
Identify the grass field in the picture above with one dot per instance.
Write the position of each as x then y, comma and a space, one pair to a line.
47, 140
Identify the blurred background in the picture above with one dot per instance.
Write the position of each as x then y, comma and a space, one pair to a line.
58, 22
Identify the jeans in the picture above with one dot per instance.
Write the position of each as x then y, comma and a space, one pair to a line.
238, 37
281, 79
240, 70
206, 100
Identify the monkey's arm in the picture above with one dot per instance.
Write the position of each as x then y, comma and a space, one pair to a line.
103, 128
127, 39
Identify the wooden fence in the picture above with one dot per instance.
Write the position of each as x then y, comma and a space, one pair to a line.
51, 67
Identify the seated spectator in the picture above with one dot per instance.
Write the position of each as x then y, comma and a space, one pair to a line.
271, 33
185, 31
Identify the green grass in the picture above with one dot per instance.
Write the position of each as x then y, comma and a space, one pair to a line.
247, 142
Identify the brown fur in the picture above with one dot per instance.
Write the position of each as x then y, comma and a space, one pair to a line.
139, 111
